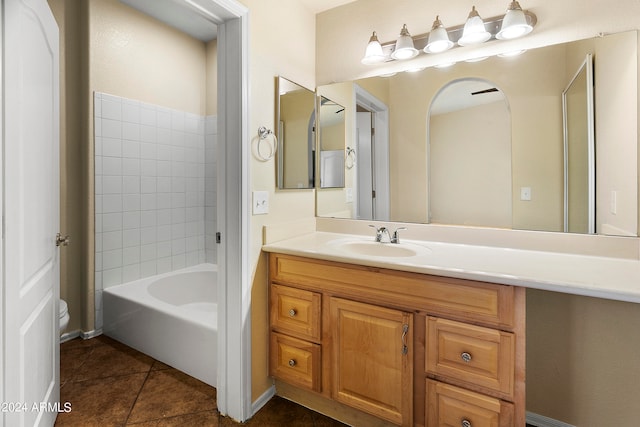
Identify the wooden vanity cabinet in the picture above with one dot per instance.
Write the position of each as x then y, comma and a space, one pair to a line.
410, 349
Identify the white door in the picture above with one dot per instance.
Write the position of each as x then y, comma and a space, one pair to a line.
30, 348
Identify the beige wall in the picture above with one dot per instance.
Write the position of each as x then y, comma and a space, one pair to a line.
281, 40
73, 213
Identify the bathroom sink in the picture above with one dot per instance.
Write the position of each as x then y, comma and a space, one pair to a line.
376, 249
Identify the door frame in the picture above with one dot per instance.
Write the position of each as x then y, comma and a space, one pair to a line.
234, 287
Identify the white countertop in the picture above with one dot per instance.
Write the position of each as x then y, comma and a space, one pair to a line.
595, 276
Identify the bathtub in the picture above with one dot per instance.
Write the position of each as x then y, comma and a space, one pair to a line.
171, 317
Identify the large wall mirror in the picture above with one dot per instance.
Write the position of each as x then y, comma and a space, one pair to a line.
532, 85
295, 125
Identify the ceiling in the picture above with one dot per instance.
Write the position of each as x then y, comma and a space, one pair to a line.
189, 21
317, 6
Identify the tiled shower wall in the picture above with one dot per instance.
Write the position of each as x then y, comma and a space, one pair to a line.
155, 191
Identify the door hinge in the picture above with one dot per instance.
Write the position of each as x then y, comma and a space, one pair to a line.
218, 237
373, 194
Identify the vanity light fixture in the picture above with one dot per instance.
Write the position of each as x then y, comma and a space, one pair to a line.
404, 46
514, 23
474, 31
438, 38
373, 54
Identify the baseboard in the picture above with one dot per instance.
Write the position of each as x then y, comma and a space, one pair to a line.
68, 336
542, 421
263, 399
90, 334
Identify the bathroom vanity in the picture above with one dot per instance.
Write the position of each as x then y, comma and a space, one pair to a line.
408, 348
422, 333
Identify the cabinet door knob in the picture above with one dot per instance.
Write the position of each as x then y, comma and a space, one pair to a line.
465, 423
466, 357
292, 312
292, 363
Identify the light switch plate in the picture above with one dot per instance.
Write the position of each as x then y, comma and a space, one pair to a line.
260, 202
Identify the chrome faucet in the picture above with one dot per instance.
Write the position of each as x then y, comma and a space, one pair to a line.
381, 231
396, 236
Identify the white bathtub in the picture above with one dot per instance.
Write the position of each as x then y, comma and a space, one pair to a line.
171, 317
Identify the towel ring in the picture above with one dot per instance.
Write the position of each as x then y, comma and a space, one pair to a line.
351, 158
263, 134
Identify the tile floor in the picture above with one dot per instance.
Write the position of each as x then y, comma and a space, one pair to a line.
110, 384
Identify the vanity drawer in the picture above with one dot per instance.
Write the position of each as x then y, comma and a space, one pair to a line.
472, 355
295, 361
466, 300
449, 405
295, 311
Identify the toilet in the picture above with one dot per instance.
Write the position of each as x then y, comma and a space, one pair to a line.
64, 316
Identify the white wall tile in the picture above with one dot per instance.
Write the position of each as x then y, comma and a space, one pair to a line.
131, 111
131, 131
111, 166
112, 184
148, 269
111, 222
131, 149
111, 240
131, 255
150, 190
148, 115
112, 259
164, 249
148, 235
131, 202
148, 252
131, 167
148, 202
111, 203
148, 185
111, 109
148, 150
163, 234
148, 167
130, 220
111, 128
130, 273
164, 265
131, 238
131, 184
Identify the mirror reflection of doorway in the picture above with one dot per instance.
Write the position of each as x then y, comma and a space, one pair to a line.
579, 151
364, 161
470, 155
372, 186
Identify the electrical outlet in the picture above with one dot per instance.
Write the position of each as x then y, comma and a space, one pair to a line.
260, 202
525, 193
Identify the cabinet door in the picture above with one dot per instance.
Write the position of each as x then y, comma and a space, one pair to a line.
373, 359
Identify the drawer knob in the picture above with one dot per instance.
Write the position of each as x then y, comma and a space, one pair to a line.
292, 363
293, 312
467, 358
465, 423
